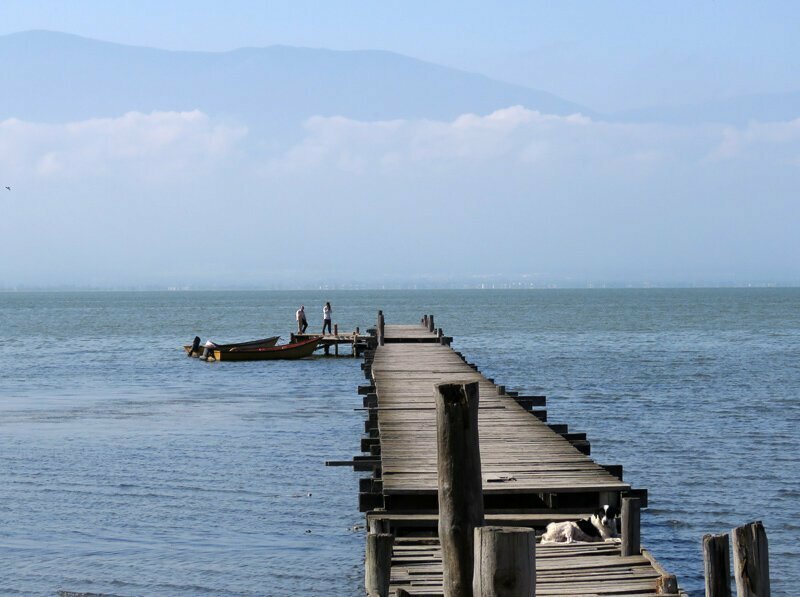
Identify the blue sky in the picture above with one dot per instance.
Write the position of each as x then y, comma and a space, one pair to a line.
110, 186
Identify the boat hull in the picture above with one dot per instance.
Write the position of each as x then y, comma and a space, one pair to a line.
298, 350
262, 343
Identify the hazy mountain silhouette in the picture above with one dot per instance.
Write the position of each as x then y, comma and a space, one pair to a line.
59, 77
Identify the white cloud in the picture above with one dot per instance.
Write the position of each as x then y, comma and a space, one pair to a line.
155, 145
773, 140
519, 137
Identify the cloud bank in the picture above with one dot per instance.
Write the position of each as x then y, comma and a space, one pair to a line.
523, 137
160, 144
512, 192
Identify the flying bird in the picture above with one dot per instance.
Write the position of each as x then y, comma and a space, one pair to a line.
8, 188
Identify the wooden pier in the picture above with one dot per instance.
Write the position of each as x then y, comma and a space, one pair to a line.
356, 341
533, 473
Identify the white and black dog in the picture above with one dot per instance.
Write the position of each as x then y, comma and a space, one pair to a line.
599, 527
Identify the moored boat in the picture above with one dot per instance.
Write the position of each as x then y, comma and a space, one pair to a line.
297, 350
250, 344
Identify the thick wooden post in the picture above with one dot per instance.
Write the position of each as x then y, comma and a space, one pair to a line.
379, 329
378, 564
505, 562
717, 563
431, 327
751, 560
631, 524
335, 329
460, 486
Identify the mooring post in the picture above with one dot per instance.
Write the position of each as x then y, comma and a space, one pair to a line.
459, 477
378, 564
751, 560
380, 328
424, 321
631, 525
717, 564
439, 335
430, 323
505, 562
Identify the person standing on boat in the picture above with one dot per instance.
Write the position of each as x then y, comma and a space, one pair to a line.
300, 316
326, 318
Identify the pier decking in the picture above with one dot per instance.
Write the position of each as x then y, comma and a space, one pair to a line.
533, 473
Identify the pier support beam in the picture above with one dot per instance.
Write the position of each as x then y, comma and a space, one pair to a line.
717, 564
505, 562
431, 326
751, 560
459, 477
631, 527
378, 564
380, 329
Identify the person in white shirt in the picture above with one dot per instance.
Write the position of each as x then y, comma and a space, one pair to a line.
300, 316
326, 318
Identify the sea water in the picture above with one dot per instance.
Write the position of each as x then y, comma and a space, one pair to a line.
128, 469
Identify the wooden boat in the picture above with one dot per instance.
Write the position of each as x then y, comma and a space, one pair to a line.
298, 350
263, 343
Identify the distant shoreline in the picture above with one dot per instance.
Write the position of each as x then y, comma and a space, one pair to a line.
399, 288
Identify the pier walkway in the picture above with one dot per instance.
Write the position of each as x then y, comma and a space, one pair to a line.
533, 473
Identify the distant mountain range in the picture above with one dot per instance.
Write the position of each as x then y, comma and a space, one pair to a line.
57, 77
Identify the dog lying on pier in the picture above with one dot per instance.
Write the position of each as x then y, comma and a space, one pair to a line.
599, 527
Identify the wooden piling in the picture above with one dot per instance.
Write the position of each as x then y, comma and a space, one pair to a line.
716, 561
431, 326
631, 525
504, 562
380, 329
378, 564
460, 491
751, 560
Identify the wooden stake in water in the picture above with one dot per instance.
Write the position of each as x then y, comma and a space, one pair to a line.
717, 564
751, 560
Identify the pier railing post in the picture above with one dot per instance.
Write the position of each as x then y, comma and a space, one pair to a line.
717, 564
505, 562
431, 326
751, 560
378, 564
380, 328
631, 525
459, 482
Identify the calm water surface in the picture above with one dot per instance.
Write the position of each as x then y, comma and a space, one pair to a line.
128, 469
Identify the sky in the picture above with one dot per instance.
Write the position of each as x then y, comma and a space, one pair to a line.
193, 196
